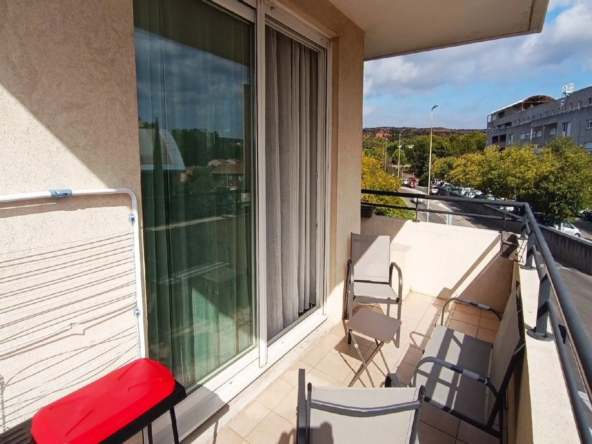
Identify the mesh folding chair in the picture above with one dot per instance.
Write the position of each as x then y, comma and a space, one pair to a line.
355, 415
455, 370
370, 274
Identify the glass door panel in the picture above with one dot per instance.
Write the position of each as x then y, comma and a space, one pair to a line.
195, 72
291, 166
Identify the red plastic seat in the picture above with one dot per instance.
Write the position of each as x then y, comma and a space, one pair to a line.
98, 410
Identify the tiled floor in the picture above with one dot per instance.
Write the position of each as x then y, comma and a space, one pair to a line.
331, 361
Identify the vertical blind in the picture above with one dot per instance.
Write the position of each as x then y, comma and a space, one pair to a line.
291, 113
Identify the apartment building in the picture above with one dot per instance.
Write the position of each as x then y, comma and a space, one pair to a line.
537, 119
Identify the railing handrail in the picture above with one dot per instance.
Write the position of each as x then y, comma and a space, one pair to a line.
582, 346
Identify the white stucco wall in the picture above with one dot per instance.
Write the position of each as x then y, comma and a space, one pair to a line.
442, 260
69, 120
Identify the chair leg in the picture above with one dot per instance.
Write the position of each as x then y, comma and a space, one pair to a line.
174, 426
150, 439
501, 419
349, 336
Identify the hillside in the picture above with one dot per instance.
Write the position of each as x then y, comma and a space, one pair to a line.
392, 133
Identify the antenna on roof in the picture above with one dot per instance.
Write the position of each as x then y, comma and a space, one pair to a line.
566, 90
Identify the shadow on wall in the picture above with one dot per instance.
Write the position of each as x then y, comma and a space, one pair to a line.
71, 68
68, 292
446, 293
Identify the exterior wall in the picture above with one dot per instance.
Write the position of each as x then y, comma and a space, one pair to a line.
546, 116
537, 420
569, 250
442, 261
68, 101
69, 120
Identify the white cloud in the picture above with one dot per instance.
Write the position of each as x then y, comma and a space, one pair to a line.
554, 4
565, 42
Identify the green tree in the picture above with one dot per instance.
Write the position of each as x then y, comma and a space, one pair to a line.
564, 180
441, 168
556, 180
375, 178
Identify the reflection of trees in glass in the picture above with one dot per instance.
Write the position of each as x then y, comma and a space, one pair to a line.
198, 146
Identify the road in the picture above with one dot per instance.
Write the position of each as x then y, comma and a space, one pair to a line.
585, 226
435, 205
579, 284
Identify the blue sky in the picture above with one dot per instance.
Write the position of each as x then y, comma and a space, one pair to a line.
468, 82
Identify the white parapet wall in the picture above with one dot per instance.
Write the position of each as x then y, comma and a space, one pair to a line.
442, 260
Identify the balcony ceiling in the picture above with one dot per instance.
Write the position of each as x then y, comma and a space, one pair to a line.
395, 27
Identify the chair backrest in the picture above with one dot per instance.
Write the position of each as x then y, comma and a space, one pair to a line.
509, 343
371, 257
361, 415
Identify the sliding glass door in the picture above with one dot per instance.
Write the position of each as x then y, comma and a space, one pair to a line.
195, 103
206, 186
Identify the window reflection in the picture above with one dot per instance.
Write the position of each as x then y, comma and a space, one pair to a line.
194, 76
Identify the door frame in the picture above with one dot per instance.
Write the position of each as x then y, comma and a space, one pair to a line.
228, 383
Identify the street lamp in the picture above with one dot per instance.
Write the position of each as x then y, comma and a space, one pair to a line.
430, 161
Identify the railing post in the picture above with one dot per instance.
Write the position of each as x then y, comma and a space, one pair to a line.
416, 206
529, 251
524, 226
540, 330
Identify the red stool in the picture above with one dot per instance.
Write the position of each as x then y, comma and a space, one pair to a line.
109, 410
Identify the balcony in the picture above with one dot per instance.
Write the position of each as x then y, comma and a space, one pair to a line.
438, 262
330, 361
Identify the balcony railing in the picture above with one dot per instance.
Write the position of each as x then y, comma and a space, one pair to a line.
550, 281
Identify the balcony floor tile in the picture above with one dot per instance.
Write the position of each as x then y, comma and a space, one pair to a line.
333, 362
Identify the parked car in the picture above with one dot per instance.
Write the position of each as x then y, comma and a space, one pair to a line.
405, 182
588, 215
417, 200
568, 228
434, 189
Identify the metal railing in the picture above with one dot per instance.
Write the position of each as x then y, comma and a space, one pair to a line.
537, 251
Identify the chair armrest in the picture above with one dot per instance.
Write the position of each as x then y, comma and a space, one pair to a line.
301, 410
470, 303
392, 380
455, 368
350, 272
393, 266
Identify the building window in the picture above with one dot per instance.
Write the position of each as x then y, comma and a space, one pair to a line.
545, 113
552, 112
570, 106
579, 104
552, 131
589, 124
566, 129
590, 101
510, 139
539, 133
588, 146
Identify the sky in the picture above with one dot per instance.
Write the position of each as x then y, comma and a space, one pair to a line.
468, 82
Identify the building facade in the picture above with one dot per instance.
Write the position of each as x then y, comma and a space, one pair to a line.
537, 119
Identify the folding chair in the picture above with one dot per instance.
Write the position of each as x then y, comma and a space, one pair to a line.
355, 415
455, 370
370, 275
